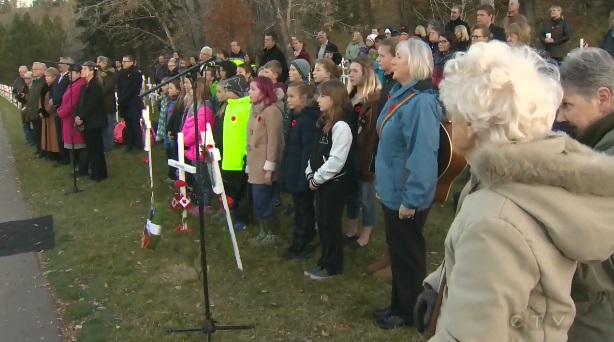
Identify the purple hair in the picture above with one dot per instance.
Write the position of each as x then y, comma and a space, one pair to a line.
267, 90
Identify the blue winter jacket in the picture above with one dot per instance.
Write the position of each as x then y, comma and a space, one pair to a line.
406, 162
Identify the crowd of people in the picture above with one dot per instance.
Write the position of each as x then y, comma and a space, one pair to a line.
531, 238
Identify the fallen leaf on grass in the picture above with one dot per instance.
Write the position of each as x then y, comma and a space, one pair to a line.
324, 298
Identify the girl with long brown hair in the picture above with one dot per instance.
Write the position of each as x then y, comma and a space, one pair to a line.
329, 171
364, 89
204, 116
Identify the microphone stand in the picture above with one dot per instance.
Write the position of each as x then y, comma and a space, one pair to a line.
72, 131
209, 326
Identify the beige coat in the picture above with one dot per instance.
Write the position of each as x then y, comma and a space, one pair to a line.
265, 140
513, 248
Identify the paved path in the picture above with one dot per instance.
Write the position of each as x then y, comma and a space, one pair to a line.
26, 306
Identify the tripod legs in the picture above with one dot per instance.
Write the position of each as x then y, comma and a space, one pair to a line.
209, 328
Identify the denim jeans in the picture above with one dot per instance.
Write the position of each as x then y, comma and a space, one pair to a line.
362, 197
27, 131
265, 200
108, 136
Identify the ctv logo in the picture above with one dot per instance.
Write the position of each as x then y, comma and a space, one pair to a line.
537, 321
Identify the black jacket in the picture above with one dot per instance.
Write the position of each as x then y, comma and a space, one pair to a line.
561, 32
298, 149
129, 84
451, 25
608, 42
218, 127
275, 54
91, 106
385, 94
498, 33
332, 49
18, 85
108, 86
57, 92
174, 122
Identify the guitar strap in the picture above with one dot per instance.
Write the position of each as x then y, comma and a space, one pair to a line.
393, 109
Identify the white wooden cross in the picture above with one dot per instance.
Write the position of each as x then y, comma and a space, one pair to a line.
215, 175
147, 124
183, 167
116, 109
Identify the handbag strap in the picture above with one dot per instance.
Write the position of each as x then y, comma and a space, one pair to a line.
392, 111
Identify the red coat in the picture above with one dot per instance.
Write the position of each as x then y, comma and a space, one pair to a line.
66, 112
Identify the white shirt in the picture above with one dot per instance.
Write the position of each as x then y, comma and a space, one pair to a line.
342, 142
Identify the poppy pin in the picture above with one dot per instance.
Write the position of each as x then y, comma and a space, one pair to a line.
293, 123
259, 119
234, 118
210, 146
358, 109
389, 96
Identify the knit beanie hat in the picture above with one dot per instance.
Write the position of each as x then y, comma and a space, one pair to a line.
237, 85
303, 68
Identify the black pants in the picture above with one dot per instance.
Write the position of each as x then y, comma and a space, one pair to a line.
304, 219
236, 186
407, 259
330, 202
64, 153
80, 161
37, 132
171, 153
95, 152
132, 134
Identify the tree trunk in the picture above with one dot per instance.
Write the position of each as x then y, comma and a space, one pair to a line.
528, 9
284, 34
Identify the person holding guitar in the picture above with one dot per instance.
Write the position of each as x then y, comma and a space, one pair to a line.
539, 202
406, 176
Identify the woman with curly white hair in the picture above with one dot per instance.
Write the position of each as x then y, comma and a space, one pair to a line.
537, 204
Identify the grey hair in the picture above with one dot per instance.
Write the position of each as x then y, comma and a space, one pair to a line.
102, 59
586, 70
42, 65
23, 67
67, 60
419, 58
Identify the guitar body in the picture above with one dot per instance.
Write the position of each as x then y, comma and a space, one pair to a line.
450, 164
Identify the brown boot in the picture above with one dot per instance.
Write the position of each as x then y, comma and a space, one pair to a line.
383, 274
381, 263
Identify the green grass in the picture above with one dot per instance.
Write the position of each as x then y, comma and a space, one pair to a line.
112, 290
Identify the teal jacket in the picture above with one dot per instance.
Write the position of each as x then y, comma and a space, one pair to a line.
406, 161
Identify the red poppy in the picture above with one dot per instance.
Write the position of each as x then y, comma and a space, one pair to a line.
234, 118
180, 184
259, 119
389, 96
358, 109
210, 146
293, 123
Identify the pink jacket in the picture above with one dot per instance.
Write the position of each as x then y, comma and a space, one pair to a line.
204, 114
66, 112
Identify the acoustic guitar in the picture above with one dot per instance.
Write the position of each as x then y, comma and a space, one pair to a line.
449, 163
